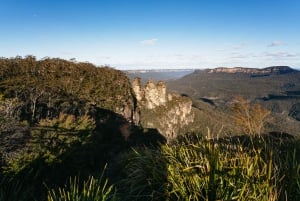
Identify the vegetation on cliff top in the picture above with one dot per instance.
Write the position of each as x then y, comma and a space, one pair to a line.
43, 88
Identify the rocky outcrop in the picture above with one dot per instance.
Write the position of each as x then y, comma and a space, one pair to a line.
168, 113
268, 70
295, 111
129, 112
176, 117
137, 88
152, 95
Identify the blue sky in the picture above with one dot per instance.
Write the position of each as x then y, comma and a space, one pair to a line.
130, 34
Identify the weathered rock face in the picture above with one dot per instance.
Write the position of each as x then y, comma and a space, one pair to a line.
129, 112
295, 111
137, 88
168, 113
152, 95
161, 93
175, 118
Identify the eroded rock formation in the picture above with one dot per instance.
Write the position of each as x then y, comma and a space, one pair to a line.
166, 112
152, 95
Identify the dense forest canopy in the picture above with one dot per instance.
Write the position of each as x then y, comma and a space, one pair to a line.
46, 87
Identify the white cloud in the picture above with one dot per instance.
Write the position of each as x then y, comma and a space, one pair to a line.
281, 55
220, 49
149, 42
239, 46
239, 56
105, 57
275, 44
66, 53
231, 47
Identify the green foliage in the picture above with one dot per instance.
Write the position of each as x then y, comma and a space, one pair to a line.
69, 122
50, 108
91, 190
50, 140
195, 168
44, 88
146, 174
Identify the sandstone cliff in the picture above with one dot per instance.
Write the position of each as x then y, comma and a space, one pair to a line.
268, 70
168, 113
152, 95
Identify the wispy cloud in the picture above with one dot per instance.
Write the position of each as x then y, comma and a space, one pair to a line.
149, 42
104, 57
275, 43
66, 53
220, 49
225, 47
264, 57
239, 46
280, 55
240, 56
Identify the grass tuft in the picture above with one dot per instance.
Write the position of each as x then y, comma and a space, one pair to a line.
198, 168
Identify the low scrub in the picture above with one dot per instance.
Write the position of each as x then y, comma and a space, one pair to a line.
196, 168
92, 189
193, 167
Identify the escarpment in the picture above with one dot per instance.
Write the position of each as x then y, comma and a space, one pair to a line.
268, 70
168, 113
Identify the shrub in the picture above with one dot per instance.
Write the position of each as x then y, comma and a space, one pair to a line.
145, 175
70, 122
249, 118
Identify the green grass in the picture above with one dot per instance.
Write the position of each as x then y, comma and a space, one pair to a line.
192, 167
196, 168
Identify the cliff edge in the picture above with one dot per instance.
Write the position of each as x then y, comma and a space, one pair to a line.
168, 113
268, 70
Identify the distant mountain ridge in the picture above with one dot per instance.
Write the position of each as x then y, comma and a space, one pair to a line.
158, 70
157, 74
268, 70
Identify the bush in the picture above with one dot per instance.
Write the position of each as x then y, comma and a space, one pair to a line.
69, 122
249, 118
145, 175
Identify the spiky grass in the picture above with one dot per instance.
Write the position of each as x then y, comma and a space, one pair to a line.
196, 168
91, 190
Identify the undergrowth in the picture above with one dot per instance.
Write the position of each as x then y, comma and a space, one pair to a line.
197, 168
192, 167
